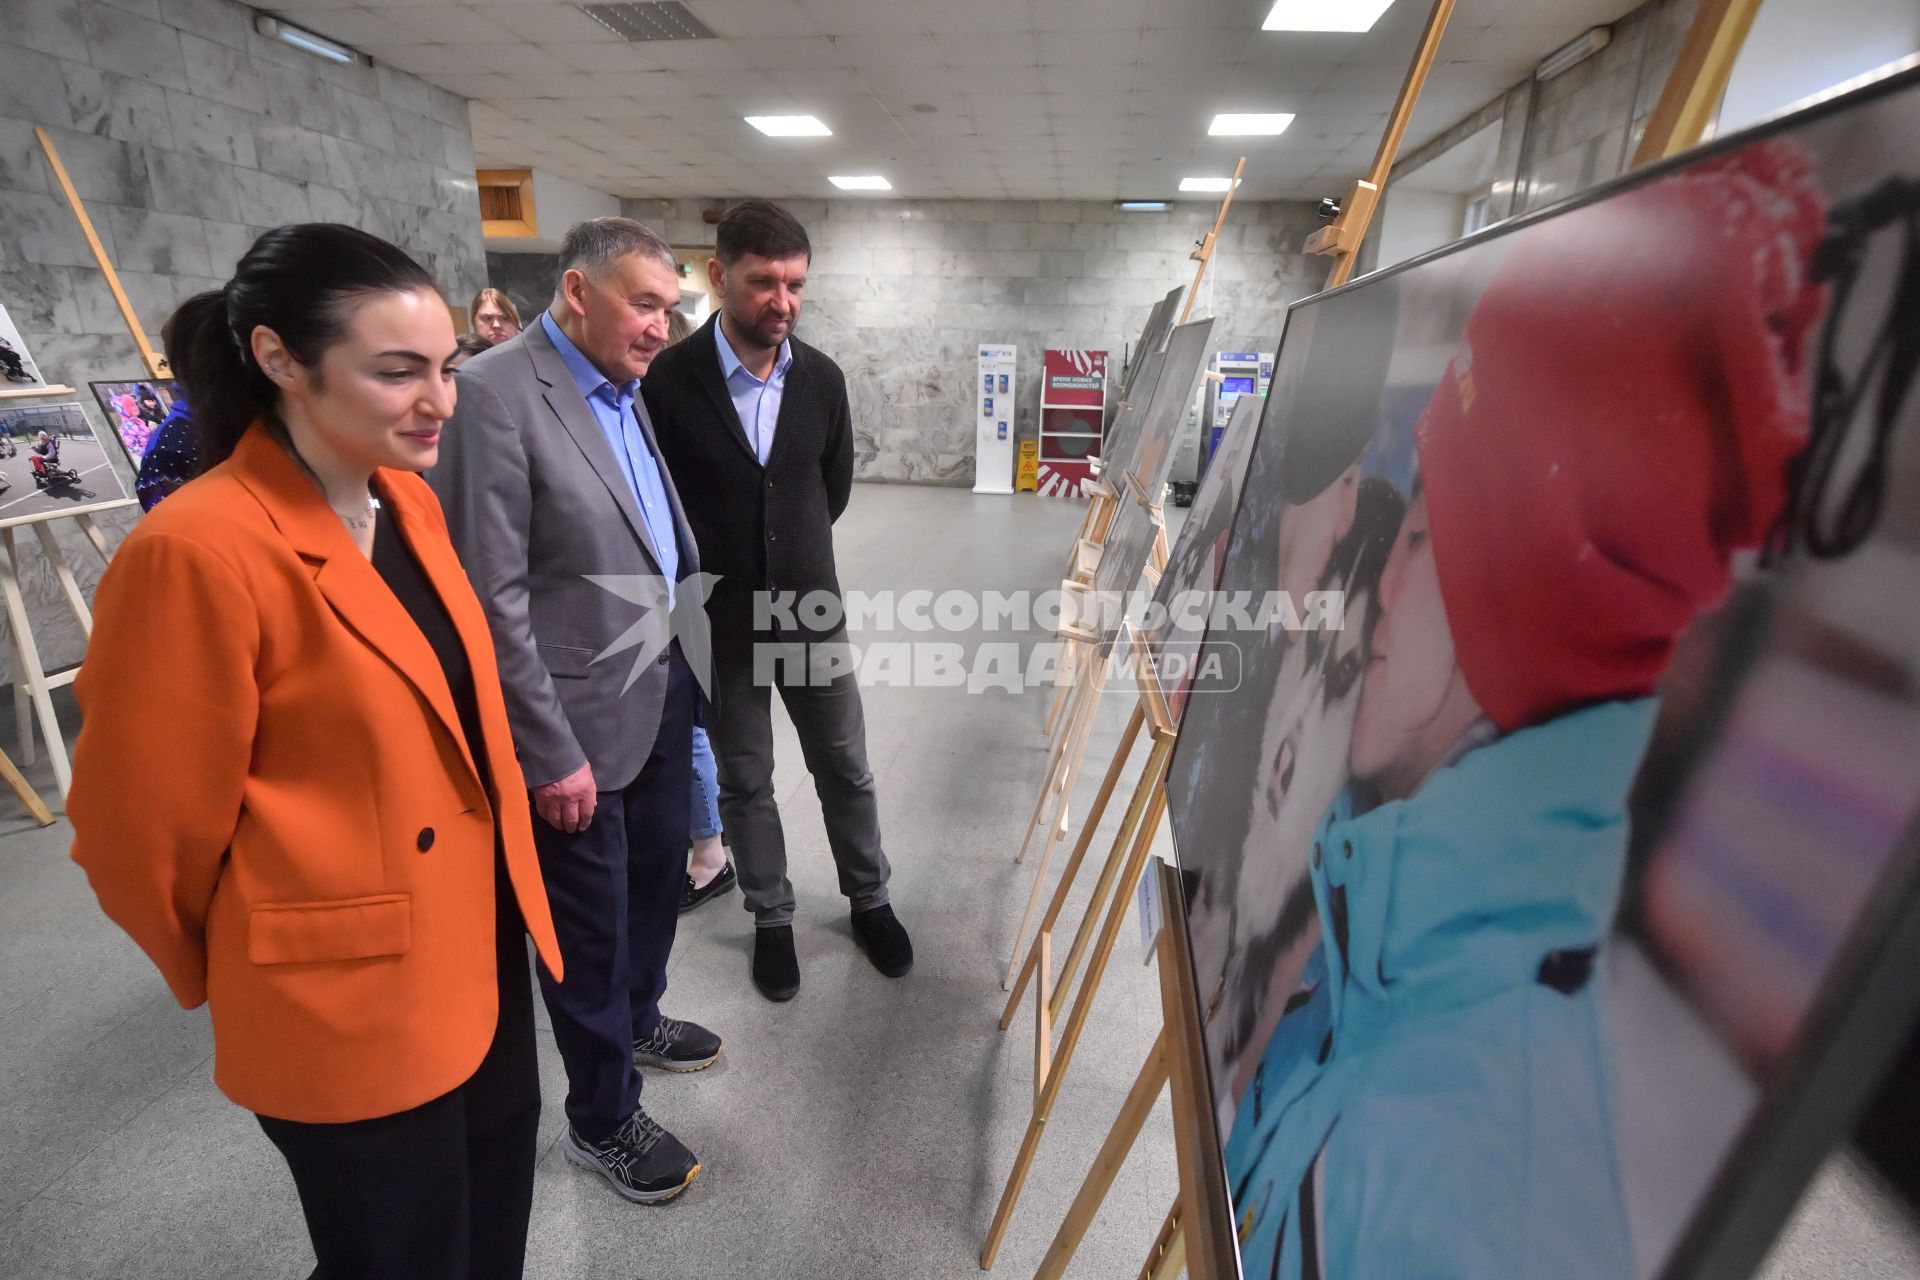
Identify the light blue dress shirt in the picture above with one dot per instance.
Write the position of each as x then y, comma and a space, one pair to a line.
613, 410
757, 402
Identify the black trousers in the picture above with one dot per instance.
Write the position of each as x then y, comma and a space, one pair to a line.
826, 712
443, 1191
615, 893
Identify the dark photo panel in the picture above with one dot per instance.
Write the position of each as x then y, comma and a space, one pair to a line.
1543, 880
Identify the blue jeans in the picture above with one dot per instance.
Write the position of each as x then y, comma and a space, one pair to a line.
706, 788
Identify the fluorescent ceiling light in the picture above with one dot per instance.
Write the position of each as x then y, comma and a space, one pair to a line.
868, 182
1206, 184
790, 126
1325, 15
1228, 125
1140, 206
320, 46
1574, 52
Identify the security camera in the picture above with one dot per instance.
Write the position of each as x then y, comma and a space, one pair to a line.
1329, 208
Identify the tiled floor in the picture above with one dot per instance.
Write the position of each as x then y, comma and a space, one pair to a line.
862, 1131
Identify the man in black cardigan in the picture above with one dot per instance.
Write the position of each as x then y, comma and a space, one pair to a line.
755, 428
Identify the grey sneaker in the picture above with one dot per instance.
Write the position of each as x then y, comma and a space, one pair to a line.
677, 1046
641, 1161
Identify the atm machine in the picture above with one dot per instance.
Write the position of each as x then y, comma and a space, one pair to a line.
1240, 373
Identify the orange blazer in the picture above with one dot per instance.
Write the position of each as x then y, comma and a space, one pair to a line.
272, 794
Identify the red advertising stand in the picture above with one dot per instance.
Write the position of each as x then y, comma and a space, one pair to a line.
1073, 400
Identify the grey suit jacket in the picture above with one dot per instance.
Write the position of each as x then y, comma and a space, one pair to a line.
536, 503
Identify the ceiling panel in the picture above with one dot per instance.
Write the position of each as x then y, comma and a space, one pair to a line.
973, 98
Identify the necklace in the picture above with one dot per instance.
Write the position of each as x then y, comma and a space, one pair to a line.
364, 521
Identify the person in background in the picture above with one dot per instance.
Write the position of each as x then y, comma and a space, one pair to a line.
554, 487
467, 347
708, 874
493, 316
757, 429
338, 859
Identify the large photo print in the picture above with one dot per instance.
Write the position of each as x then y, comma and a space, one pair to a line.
1510, 896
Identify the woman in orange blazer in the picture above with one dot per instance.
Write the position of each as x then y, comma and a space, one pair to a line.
337, 857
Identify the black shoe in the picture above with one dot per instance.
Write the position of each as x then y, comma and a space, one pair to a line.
641, 1161
884, 939
691, 897
677, 1046
776, 969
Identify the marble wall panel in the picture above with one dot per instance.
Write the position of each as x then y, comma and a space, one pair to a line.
902, 293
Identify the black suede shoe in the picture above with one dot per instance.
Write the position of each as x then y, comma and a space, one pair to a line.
691, 896
884, 939
641, 1161
776, 969
677, 1046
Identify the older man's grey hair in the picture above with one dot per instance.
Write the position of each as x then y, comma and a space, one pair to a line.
593, 246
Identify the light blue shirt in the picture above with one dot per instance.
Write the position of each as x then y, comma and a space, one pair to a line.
613, 409
757, 402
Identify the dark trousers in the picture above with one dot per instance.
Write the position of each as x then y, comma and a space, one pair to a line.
443, 1191
615, 893
833, 740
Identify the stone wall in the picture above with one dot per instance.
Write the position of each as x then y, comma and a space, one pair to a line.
186, 135
902, 292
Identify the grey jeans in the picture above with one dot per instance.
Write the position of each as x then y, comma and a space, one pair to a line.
826, 712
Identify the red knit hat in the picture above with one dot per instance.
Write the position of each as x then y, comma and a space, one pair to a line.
1618, 420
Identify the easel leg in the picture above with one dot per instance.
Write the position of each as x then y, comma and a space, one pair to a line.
22, 706
1153, 795
1076, 1023
23, 789
30, 669
50, 547
1106, 1165
1087, 829
1063, 680
98, 539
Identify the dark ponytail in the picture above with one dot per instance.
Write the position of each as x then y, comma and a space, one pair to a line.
297, 281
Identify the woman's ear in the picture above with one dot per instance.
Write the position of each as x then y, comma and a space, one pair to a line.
272, 356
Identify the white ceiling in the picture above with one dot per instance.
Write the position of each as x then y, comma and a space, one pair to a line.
1033, 99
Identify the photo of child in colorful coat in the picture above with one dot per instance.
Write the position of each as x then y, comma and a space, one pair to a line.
1619, 437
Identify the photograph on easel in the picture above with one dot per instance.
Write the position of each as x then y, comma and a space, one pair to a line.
53, 462
1520, 900
18, 372
135, 410
1178, 621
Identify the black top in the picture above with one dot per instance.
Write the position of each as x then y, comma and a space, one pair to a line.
760, 528
394, 562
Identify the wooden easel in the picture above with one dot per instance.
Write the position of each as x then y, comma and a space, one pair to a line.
1105, 493
1119, 877
1341, 238
1198, 1232
32, 685
1063, 766
1192, 1232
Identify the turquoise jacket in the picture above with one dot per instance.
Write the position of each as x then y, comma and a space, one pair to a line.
1437, 1102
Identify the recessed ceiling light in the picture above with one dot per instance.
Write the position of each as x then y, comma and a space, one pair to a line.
790, 126
868, 182
1325, 15
1227, 125
1140, 206
1206, 184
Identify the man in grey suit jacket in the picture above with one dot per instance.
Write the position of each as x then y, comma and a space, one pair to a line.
571, 530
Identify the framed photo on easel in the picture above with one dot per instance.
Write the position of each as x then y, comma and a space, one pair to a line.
53, 463
18, 372
1552, 909
135, 411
